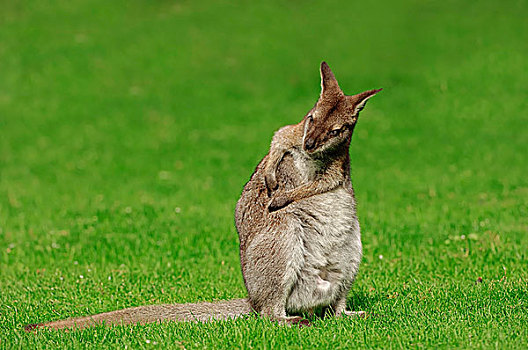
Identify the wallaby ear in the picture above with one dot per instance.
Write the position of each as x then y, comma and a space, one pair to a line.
328, 80
360, 100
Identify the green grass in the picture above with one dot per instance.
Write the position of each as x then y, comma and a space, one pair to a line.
127, 130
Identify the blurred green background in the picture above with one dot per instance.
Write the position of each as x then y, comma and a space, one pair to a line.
128, 129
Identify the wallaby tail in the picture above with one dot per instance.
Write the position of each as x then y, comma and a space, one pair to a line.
199, 312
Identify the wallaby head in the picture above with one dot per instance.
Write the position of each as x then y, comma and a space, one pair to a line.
330, 123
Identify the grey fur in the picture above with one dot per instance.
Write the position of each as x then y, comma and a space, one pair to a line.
300, 242
199, 312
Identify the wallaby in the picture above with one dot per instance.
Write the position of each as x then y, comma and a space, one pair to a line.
300, 244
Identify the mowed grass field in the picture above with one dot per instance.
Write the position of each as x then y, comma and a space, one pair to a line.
128, 129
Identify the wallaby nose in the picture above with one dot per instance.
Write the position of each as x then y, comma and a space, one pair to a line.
309, 144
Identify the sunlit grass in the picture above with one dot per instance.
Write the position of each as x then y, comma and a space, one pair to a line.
128, 129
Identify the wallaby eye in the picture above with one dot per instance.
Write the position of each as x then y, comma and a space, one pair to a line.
334, 132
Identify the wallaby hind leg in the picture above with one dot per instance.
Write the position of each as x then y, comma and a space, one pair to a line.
270, 273
278, 313
358, 314
340, 308
270, 301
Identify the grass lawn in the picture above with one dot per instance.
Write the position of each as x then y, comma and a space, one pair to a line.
128, 129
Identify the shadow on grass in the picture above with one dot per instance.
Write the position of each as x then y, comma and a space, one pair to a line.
362, 301
359, 302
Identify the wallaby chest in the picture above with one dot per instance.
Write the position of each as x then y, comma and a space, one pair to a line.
326, 242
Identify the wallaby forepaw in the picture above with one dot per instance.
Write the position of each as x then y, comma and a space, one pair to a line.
271, 182
278, 202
